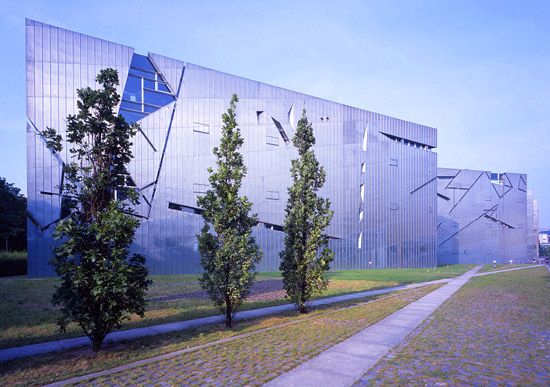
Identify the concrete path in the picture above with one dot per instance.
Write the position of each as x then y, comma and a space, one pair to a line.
344, 363
60, 345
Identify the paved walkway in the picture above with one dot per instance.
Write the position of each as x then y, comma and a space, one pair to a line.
60, 345
494, 332
344, 363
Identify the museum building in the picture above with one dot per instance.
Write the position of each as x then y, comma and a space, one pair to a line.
485, 217
380, 171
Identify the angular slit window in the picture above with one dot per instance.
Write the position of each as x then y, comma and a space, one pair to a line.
281, 130
365, 136
185, 209
272, 195
145, 91
201, 128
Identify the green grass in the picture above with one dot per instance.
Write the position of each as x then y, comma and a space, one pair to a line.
399, 276
13, 263
320, 328
28, 316
489, 268
495, 328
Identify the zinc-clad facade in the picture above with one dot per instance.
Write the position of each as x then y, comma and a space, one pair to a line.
381, 171
483, 217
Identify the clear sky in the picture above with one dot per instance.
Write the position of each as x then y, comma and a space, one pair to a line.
476, 70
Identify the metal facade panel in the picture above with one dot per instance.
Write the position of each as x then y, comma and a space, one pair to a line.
382, 190
480, 221
55, 68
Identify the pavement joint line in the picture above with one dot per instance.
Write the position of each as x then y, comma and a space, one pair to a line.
76, 342
357, 366
221, 341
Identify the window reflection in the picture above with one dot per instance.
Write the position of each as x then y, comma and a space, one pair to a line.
132, 91
132, 116
145, 91
149, 84
157, 98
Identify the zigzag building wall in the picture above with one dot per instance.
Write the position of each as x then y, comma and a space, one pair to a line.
381, 171
483, 217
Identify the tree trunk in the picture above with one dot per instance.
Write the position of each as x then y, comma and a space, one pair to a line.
96, 344
228, 316
303, 306
97, 340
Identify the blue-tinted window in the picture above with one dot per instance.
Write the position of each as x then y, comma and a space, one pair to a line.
132, 116
130, 105
148, 84
142, 74
142, 62
143, 80
157, 98
163, 87
132, 91
150, 109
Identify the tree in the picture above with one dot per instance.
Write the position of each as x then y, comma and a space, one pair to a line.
306, 254
544, 250
101, 284
229, 252
13, 216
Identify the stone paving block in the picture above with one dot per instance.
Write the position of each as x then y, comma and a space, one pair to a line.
492, 337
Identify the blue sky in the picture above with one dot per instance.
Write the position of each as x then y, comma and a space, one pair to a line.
478, 71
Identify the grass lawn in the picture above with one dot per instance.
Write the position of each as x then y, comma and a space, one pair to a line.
397, 276
28, 316
493, 332
308, 335
489, 268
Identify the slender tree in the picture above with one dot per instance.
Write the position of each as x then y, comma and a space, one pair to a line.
306, 254
229, 252
101, 283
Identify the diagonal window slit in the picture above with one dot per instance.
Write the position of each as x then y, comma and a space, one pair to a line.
281, 130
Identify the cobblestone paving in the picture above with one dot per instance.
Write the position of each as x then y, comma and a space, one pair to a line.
494, 332
256, 359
